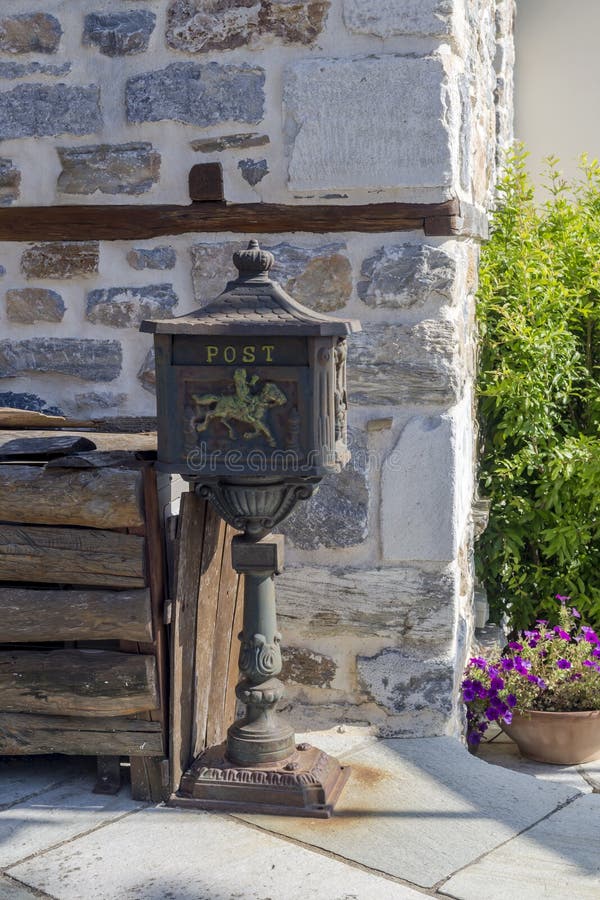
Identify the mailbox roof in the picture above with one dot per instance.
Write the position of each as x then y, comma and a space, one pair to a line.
253, 304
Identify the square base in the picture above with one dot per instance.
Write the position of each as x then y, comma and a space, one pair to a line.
308, 783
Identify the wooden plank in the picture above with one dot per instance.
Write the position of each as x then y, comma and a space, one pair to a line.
205, 182
25, 733
108, 775
82, 682
208, 597
15, 418
183, 631
233, 670
27, 418
107, 441
34, 614
28, 447
140, 221
93, 498
71, 556
155, 567
101, 459
217, 723
149, 779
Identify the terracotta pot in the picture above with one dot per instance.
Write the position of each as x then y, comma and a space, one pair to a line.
560, 738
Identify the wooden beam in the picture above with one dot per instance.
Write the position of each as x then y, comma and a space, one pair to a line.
26, 733
30, 614
71, 556
92, 498
141, 221
81, 682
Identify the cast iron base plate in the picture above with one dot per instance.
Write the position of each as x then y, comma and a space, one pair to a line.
308, 783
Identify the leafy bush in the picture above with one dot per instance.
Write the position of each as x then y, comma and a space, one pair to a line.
539, 395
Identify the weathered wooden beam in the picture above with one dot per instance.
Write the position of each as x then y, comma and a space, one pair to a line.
106, 441
71, 556
92, 498
141, 221
25, 733
32, 614
81, 682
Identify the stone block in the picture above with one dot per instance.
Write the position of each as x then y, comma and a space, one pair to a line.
19, 70
230, 142
126, 307
36, 32
147, 373
109, 168
388, 18
91, 401
36, 110
337, 514
197, 94
426, 489
406, 364
30, 305
407, 275
307, 668
87, 359
410, 604
61, 259
403, 681
319, 277
10, 180
152, 258
253, 170
195, 26
28, 401
119, 33
369, 122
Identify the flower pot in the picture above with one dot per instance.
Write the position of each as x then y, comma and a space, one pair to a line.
560, 738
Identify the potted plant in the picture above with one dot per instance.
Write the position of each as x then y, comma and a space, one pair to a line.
543, 691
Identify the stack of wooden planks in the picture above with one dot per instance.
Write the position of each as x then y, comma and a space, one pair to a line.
83, 652
102, 651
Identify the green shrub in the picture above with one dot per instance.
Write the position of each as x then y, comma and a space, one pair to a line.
539, 395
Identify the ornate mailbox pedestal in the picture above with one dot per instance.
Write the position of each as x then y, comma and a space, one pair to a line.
252, 409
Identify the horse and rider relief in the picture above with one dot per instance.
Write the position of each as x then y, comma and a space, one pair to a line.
247, 407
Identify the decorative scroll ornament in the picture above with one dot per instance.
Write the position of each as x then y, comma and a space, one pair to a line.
259, 658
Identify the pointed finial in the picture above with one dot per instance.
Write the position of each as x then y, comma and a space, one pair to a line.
253, 261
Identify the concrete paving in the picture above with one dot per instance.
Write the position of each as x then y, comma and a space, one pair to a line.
418, 817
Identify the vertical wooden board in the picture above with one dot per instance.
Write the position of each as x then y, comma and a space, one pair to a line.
233, 668
183, 631
155, 567
216, 725
208, 597
147, 781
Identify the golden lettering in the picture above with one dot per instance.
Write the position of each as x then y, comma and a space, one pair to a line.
268, 349
249, 354
229, 354
211, 352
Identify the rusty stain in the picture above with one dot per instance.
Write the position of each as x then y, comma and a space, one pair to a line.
367, 775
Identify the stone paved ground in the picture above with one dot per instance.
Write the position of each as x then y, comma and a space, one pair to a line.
419, 817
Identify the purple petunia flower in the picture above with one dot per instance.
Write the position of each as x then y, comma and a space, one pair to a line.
514, 645
496, 683
563, 663
596, 651
508, 717
473, 738
478, 661
561, 633
507, 664
511, 700
562, 598
575, 613
590, 635
541, 621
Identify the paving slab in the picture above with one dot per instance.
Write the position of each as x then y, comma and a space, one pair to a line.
21, 777
559, 859
11, 890
421, 809
57, 815
501, 753
168, 854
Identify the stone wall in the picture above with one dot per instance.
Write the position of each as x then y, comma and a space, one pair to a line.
327, 101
